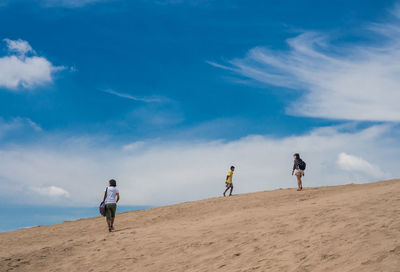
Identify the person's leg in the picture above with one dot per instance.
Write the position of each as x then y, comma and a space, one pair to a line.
114, 210
112, 223
108, 216
300, 186
231, 190
227, 188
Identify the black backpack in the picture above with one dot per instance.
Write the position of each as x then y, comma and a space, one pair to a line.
302, 165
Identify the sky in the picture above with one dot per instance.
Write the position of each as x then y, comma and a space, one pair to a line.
164, 96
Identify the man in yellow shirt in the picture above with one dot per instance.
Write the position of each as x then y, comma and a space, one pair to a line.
228, 181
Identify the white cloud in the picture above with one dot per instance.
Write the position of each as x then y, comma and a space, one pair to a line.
21, 70
51, 191
353, 163
349, 81
168, 172
18, 46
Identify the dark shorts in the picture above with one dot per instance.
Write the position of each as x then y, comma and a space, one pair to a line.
229, 185
111, 208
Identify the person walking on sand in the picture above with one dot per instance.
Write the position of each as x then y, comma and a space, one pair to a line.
111, 198
228, 181
298, 169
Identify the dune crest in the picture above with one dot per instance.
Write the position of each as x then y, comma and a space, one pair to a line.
340, 228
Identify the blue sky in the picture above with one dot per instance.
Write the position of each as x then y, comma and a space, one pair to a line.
165, 95
144, 48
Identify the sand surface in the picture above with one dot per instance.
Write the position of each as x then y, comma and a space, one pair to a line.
341, 228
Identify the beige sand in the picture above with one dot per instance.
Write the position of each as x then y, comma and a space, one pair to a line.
343, 228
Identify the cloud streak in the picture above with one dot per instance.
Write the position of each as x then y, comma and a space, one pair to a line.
69, 3
345, 81
135, 98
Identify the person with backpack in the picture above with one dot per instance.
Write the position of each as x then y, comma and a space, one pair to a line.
111, 198
298, 169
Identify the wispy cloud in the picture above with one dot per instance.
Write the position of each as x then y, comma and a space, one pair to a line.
23, 68
350, 81
69, 3
136, 98
179, 2
218, 65
155, 116
17, 125
82, 3
355, 164
19, 46
59, 3
51, 191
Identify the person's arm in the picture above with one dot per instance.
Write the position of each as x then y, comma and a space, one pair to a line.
105, 196
117, 197
294, 167
229, 175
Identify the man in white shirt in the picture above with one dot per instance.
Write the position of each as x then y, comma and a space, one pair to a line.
111, 198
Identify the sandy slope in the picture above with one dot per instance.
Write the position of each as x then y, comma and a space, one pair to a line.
343, 228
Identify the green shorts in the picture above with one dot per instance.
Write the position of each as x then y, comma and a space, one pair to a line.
111, 208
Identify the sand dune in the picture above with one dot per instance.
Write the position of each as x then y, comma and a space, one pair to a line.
341, 228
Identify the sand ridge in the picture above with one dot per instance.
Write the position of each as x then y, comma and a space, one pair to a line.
339, 228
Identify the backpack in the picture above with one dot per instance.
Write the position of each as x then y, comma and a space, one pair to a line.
102, 207
302, 165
